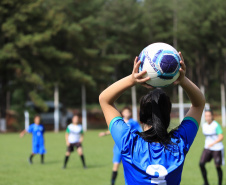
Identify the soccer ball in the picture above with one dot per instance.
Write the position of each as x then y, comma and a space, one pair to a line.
162, 63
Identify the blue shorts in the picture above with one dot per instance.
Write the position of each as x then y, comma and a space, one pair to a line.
38, 148
116, 155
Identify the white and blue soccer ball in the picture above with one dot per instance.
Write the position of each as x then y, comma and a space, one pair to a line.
162, 63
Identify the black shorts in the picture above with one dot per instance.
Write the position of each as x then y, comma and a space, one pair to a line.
70, 148
207, 155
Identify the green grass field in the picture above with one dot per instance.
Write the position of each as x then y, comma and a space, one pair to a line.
15, 169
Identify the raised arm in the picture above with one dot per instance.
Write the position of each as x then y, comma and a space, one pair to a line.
195, 95
113, 92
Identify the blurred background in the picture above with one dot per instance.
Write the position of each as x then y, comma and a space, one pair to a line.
56, 56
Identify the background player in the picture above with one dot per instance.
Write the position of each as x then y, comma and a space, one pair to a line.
214, 147
37, 130
153, 156
74, 138
126, 114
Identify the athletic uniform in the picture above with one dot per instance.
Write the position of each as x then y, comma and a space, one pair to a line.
116, 152
74, 132
37, 132
151, 163
211, 132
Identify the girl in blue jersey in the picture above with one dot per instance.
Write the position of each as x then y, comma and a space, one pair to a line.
153, 156
38, 145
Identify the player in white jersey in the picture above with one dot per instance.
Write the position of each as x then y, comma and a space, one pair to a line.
213, 148
74, 138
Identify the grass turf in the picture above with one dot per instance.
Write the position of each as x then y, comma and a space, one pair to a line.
15, 169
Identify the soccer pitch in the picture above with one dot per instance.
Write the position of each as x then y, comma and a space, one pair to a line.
15, 169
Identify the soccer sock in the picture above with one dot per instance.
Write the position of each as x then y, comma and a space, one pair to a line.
83, 161
114, 175
42, 158
65, 161
30, 158
204, 174
220, 175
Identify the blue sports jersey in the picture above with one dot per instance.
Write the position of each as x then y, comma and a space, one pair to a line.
134, 125
37, 132
116, 152
151, 163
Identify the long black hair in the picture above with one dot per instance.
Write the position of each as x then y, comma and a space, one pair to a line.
155, 109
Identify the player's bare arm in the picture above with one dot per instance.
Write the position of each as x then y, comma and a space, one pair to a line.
101, 134
219, 139
113, 92
81, 138
66, 139
195, 95
23, 133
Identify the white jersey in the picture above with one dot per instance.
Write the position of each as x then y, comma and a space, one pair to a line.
211, 132
74, 132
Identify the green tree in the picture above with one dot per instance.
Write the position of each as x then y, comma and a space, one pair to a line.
201, 34
30, 59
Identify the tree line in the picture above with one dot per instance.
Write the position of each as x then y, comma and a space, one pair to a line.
94, 42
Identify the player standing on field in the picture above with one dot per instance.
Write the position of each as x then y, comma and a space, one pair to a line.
214, 147
74, 138
154, 156
126, 114
37, 130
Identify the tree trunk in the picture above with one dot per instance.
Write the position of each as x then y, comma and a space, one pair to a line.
134, 102
223, 104
181, 103
198, 68
3, 97
202, 88
56, 108
84, 113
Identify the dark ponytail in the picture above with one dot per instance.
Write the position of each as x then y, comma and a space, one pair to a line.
155, 109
